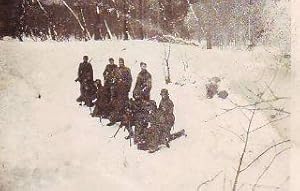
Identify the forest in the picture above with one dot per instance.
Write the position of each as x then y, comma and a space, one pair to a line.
218, 23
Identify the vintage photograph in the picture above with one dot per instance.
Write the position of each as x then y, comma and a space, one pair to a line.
145, 95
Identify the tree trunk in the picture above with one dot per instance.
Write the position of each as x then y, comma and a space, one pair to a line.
141, 18
208, 39
126, 14
21, 23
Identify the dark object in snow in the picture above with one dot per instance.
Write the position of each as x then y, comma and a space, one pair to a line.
211, 90
173, 136
223, 94
39, 96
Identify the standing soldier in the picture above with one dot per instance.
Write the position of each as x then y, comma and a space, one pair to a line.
143, 83
122, 88
85, 72
124, 80
110, 78
165, 117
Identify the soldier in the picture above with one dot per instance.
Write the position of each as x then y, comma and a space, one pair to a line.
143, 83
102, 103
89, 92
123, 85
85, 71
142, 117
165, 117
124, 80
127, 118
152, 132
109, 75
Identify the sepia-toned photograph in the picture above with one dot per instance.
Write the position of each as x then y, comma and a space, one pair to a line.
146, 95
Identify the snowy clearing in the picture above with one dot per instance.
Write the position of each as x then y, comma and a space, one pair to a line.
53, 144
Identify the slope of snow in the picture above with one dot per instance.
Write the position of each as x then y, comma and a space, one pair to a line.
53, 144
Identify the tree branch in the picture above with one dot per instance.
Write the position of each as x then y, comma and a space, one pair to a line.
264, 152
207, 181
243, 154
268, 167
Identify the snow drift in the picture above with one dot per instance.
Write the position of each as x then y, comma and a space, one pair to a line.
53, 144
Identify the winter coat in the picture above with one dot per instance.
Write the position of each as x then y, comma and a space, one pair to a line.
143, 85
85, 71
165, 117
166, 106
124, 80
109, 74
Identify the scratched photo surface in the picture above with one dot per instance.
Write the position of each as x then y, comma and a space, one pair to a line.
145, 95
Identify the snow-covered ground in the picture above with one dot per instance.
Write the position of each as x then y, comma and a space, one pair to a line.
53, 144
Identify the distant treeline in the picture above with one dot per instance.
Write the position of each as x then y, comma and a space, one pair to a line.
218, 23
102, 19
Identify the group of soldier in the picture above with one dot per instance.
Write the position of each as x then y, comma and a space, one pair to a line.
148, 125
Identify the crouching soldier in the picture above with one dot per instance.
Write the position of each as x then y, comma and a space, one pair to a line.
165, 117
89, 92
152, 132
102, 103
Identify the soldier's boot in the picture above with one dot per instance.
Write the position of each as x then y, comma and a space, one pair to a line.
110, 124
167, 144
130, 133
80, 99
89, 103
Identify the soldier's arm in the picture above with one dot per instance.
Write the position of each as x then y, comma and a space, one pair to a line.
105, 72
79, 72
129, 78
149, 83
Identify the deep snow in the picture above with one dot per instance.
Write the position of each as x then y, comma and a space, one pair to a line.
53, 144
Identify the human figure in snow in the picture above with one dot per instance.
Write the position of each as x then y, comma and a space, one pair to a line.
102, 103
142, 111
109, 75
89, 92
124, 80
165, 117
123, 85
152, 131
85, 71
143, 83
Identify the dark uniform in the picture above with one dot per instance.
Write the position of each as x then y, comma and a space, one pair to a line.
89, 92
109, 75
165, 117
85, 72
143, 85
124, 81
102, 103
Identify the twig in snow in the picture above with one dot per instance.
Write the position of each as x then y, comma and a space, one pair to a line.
243, 154
208, 181
232, 132
268, 167
264, 152
270, 122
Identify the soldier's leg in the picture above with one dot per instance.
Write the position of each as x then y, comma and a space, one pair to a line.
152, 140
80, 98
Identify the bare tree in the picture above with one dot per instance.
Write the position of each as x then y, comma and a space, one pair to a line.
167, 54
